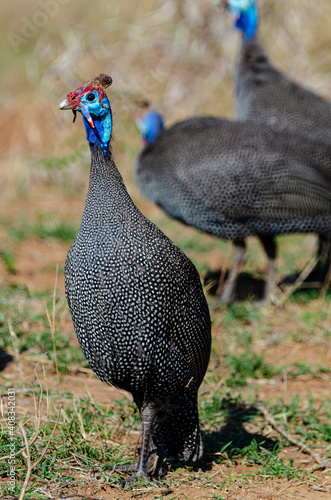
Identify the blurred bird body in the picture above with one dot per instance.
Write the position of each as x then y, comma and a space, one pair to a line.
136, 301
265, 95
234, 179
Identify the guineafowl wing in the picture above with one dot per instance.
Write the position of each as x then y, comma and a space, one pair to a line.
239, 171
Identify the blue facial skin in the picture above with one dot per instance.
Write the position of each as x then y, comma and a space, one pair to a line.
247, 21
150, 126
102, 118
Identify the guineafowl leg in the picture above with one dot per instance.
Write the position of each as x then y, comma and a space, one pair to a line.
269, 246
147, 415
324, 257
324, 254
230, 284
322, 270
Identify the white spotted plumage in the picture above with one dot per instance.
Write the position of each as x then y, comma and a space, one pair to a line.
138, 310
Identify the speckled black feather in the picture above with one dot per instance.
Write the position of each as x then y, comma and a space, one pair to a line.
266, 95
138, 310
234, 179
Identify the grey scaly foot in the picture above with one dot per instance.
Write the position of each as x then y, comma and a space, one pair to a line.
139, 476
147, 415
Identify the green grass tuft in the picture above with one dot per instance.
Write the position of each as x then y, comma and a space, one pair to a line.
46, 227
247, 366
9, 260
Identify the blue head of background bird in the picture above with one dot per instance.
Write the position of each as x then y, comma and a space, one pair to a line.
150, 125
92, 102
246, 16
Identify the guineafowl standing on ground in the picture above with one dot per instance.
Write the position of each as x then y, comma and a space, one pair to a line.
136, 300
236, 179
265, 95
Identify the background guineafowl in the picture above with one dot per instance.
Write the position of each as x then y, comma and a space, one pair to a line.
265, 95
235, 179
136, 300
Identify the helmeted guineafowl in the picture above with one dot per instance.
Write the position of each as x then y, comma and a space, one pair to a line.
136, 300
236, 179
266, 95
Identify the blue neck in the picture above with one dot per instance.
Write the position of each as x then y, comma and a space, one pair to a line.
248, 22
99, 137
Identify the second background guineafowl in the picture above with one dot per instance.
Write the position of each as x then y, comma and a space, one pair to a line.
266, 95
235, 179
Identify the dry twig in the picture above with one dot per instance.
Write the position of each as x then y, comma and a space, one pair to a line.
143, 491
28, 473
27, 446
221, 280
297, 284
52, 328
325, 464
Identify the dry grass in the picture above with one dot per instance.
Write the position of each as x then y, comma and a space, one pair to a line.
178, 54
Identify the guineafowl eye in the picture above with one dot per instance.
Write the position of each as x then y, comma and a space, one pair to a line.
90, 97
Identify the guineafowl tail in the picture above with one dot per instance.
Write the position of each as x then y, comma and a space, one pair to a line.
177, 433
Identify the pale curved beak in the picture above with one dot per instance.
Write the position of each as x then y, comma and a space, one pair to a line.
64, 104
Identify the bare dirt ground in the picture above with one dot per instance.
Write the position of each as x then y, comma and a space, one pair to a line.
88, 386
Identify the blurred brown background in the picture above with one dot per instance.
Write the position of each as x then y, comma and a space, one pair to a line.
178, 54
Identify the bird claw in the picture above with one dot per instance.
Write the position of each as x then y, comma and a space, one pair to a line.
139, 476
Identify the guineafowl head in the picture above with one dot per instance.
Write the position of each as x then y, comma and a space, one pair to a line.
246, 16
150, 125
92, 102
